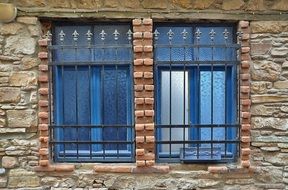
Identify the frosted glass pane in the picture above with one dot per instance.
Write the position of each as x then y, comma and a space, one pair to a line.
218, 101
178, 100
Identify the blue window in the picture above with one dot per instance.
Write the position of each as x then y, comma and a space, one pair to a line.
196, 89
92, 93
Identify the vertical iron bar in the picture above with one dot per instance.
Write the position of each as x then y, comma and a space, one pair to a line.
76, 99
170, 99
225, 91
102, 99
117, 98
198, 128
184, 93
212, 33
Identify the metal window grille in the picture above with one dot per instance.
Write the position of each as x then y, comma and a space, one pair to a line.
192, 61
90, 75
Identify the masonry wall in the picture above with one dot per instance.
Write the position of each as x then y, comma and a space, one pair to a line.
264, 97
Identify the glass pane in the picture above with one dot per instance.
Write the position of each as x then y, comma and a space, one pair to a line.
110, 52
79, 54
212, 106
174, 53
178, 100
116, 89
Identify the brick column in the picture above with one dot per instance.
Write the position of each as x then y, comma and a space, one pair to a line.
144, 92
45, 164
245, 100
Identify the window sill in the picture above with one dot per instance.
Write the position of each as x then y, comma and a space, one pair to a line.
108, 168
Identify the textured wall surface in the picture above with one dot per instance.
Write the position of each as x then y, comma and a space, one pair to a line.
21, 77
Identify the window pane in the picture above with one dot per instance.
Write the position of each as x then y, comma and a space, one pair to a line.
178, 101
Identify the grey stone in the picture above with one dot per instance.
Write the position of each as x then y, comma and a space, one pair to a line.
10, 29
9, 162
9, 95
265, 71
279, 52
270, 123
21, 43
3, 182
21, 118
23, 79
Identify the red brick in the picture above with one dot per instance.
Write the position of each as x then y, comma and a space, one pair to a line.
246, 102
139, 139
138, 49
43, 91
147, 35
149, 112
43, 78
244, 24
64, 168
147, 42
138, 87
148, 48
245, 64
139, 113
43, 139
43, 115
149, 127
137, 22
149, 87
140, 163
245, 76
138, 74
138, 42
139, 100
149, 100
245, 151
245, 57
244, 89
140, 152
245, 49
245, 115
43, 151
43, 103
245, 164
43, 162
147, 21
150, 163
150, 139
139, 127
153, 169
148, 75
138, 62
246, 139
43, 67
43, 127
245, 37
113, 169
43, 42
245, 127
42, 55
148, 61
137, 35
217, 169
49, 168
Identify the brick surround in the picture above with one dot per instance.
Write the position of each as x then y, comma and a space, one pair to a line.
144, 106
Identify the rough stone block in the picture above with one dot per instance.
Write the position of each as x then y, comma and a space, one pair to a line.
21, 118
9, 95
9, 162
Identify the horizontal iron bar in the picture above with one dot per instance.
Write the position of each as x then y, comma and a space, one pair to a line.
91, 126
198, 142
87, 63
199, 126
201, 63
92, 142
230, 46
98, 46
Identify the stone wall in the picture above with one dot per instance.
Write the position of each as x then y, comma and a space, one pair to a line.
268, 79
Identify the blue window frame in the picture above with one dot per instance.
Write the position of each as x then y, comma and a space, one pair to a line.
197, 102
92, 93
